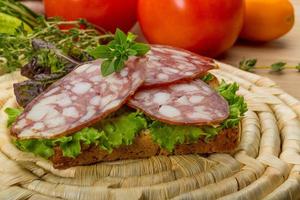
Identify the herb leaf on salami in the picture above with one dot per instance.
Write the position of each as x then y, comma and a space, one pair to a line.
118, 51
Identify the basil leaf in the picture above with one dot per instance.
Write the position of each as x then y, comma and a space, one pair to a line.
107, 67
117, 52
140, 48
118, 64
120, 37
100, 51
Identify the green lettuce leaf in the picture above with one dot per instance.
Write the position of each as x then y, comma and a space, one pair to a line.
117, 130
43, 148
237, 104
123, 129
71, 149
71, 145
167, 136
12, 114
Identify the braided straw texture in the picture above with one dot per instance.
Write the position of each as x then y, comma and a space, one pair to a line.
266, 165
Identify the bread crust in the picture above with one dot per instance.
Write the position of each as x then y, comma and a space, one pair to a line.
143, 147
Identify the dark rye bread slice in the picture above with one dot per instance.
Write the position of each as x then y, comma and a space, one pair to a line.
143, 147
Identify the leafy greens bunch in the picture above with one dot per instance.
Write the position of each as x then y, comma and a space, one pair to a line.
46, 51
17, 50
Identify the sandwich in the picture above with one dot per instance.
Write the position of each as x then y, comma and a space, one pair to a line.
165, 102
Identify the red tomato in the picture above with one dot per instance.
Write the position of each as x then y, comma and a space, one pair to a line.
208, 27
109, 14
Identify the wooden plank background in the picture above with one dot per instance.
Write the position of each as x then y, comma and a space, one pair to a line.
284, 49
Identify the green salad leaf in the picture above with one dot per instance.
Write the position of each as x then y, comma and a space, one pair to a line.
115, 131
40, 147
123, 129
71, 147
167, 136
237, 104
12, 114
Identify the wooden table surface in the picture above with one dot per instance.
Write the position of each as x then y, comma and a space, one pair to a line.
284, 49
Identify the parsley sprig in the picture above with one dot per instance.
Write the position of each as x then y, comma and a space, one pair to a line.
117, 51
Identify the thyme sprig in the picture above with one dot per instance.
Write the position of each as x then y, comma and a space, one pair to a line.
16, 50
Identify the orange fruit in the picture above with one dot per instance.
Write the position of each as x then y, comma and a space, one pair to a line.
267, 20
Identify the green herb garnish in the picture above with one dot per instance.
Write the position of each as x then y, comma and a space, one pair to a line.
17, 50
116, 52
247, 64
278, 67
250, 65
298, 67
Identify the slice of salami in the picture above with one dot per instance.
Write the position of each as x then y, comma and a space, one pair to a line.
79, 99
182, 103
168, 64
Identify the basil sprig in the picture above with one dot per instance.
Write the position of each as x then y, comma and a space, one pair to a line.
117, 51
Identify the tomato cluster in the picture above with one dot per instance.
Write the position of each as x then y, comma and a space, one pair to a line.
109, 14
208, 27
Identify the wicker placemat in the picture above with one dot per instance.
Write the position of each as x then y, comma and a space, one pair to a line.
266, 164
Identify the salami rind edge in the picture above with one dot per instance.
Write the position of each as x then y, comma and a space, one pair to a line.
78, 100
182, 103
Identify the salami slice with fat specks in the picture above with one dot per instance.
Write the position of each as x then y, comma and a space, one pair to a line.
168, 65
78, 100
182, 103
